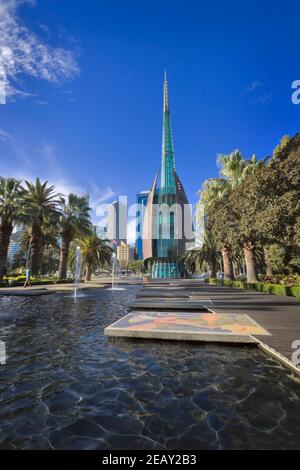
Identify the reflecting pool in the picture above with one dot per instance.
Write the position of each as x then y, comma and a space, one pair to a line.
66, 386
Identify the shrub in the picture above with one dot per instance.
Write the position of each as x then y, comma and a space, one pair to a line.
293, 291
276, 289
284, 279
34, 282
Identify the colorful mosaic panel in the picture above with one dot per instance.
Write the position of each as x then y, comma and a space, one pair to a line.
208, 322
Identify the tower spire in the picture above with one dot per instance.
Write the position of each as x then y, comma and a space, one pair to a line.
167, 163
166, 93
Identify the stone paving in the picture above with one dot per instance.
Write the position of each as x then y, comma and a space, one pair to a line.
192, 310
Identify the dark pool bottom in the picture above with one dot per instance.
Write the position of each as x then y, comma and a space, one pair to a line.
66, 386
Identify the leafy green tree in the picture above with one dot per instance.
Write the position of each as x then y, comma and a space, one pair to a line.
136, 266
207, 254
50, 261
74, 221
223, 218
221, 223
275, 194
242, 216
10, 214
266, 206
214, 191
49, 244
232, 168
19, 261
41, 205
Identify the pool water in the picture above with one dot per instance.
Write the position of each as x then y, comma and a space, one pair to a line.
66, 386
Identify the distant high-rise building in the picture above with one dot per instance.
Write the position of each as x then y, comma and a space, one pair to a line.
117, 222
14, 246
141, 203
101, 231
125, 253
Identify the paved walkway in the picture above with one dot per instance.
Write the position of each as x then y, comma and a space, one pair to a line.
279, 315
277, 318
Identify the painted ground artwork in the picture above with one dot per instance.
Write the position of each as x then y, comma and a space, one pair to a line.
207, 322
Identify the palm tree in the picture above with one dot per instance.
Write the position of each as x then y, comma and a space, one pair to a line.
49, 238
208, 254
10, 204
49, 243
95, 252
232, 167
74, 221
40, 207
235, 169
214, 189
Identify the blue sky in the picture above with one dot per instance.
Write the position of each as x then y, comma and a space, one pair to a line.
85, 81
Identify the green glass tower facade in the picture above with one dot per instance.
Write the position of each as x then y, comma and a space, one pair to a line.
167, 181
162, 247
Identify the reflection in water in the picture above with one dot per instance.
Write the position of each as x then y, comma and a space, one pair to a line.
66, 386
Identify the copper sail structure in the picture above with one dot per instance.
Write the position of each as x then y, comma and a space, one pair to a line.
168, 223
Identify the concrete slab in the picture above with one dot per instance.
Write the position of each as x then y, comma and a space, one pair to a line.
187, 326
158, 286
162, 295
163, 301
164, 304
204, 300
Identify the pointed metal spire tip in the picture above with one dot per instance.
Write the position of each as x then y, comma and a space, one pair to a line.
166, 94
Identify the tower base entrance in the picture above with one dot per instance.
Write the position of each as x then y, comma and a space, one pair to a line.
164, 268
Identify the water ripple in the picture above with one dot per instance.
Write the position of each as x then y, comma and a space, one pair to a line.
66, 386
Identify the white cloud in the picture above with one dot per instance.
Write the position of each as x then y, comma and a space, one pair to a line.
55, 175
4, 136
254, 85
265, 98
131, 231
99, 197
258, 94
22, 52
62, 185
44, 162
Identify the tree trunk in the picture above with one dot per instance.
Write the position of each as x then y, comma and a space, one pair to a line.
63, 257
213, 273
268, 267
36, 250
227, 263
5, 234
249, 252
88, 272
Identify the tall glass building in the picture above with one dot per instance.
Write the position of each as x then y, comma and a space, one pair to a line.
141, 203
117, 223
168, 222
